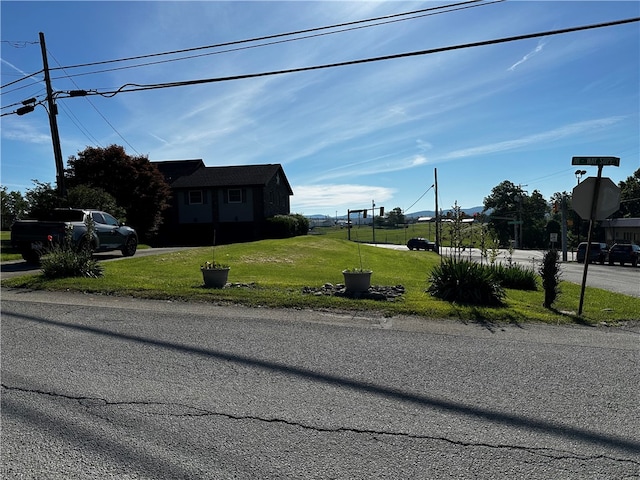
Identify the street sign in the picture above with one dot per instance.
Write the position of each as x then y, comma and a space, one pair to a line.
615, 161
608, 198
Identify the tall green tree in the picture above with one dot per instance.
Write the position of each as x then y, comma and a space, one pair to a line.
42, 198
630, 196
135, 183
13, 206
394, 217
509, 203
503, 206
82, 196
535, 216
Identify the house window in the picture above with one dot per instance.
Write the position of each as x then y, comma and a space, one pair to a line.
195, 197
234, 195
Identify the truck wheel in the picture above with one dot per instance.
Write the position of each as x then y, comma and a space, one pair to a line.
85, 245
31, 256
130, 247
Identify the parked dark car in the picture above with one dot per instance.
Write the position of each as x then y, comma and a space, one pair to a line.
597, 252
421, 243
624, 253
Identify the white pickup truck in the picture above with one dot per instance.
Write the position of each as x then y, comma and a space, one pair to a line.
33, 237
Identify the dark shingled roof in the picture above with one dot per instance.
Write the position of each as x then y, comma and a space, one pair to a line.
232, 176
174, 169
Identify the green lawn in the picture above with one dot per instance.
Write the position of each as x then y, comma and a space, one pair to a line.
274, 272
7, 252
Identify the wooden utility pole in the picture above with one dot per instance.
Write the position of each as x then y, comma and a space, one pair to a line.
435, 173
53, 111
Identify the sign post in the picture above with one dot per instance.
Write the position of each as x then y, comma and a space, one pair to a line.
599, 162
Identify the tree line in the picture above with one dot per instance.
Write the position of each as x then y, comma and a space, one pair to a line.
133, 190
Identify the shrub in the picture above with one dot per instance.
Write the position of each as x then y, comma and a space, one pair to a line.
467, 282
285, 226
63, 260
515, 276
550, 273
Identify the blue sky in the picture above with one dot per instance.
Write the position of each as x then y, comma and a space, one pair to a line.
346, 136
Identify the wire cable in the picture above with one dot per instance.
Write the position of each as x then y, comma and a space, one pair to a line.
135, 87
278, 35
83, 129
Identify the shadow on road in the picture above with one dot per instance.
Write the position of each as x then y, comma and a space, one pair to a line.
509, 419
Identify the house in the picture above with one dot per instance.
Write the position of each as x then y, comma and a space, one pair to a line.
232, 201
623, 230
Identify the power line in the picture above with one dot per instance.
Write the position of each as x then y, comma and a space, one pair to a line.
388, 19
278, 35
83, 129
140, 87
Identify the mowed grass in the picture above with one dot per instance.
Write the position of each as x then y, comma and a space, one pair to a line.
7, 252
273, 273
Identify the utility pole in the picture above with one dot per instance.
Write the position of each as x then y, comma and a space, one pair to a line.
373, 220
435, 173
53, 111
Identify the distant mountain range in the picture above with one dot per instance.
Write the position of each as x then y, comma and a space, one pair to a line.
422, 213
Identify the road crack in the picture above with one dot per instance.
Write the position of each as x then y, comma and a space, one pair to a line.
172, 409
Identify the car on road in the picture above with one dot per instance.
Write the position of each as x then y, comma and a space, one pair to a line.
624, 253
421, 243
597, 253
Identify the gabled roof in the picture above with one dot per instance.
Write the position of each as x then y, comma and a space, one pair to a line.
174, 169
628, 222
233, 176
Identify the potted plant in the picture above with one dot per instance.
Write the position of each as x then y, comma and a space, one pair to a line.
357, 279
214, 274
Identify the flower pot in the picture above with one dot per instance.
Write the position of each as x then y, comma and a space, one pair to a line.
215, 277
357, 281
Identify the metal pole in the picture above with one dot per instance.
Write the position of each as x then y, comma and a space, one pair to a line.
594, 206
53, 111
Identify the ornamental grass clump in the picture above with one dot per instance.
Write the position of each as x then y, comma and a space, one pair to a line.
515, 276
63, 260
465, 282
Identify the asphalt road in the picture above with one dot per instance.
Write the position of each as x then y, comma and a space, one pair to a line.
98, 387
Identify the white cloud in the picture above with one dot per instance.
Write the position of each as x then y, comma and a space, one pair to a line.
535, 51
579, 128
337, 197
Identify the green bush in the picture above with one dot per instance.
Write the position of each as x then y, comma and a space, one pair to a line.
286, 226
550, 273
465, 282
62, 262
515, 276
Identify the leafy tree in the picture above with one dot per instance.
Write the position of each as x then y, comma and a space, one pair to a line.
503, 205
83, 196
13, 206
42, 199
509, 203
394, 217
534, 216
630, 196
135, 183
